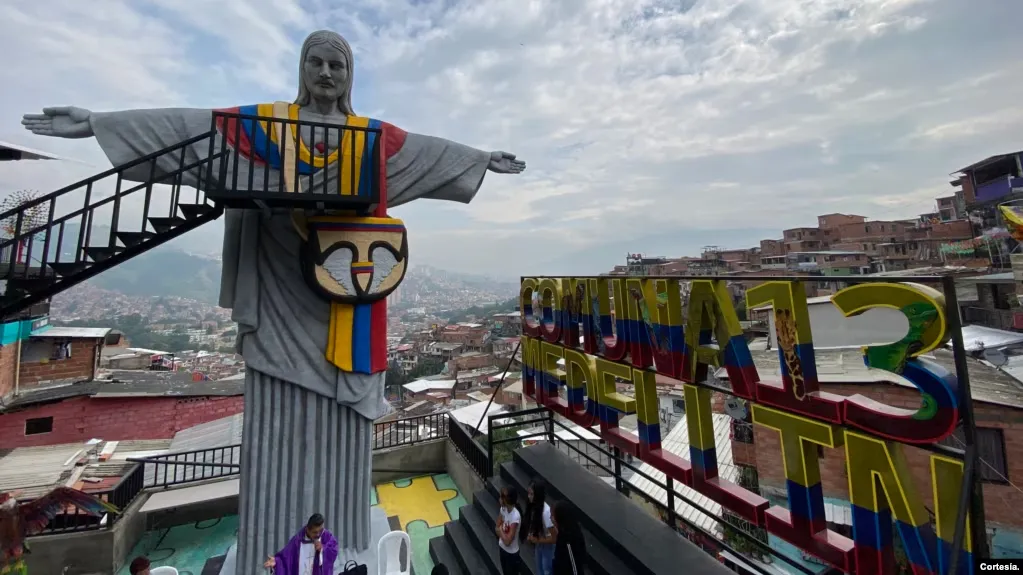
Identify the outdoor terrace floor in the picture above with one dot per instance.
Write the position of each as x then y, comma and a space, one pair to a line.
420, 506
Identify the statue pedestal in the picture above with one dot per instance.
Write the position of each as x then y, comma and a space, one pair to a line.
378, 528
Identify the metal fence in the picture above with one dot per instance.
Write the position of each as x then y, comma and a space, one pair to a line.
187, 467
476, 455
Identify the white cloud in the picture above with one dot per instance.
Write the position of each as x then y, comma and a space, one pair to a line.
641, 120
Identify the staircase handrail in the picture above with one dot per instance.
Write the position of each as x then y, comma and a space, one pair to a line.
66, 217
111, 172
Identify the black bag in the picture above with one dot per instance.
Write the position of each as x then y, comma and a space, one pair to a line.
353, 568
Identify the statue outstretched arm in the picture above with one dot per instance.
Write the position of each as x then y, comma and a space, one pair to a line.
60, 122
505, 163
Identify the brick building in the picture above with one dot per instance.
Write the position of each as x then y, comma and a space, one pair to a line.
136, 406
471, 336
56, 355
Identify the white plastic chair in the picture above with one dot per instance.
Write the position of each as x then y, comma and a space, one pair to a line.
389, 554
163, 571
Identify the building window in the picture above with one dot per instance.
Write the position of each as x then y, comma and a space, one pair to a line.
38, 425
61, 350
678, 405
993, 467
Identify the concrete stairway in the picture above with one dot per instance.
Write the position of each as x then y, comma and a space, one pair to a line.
622, 538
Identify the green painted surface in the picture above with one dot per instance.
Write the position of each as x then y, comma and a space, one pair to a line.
188, 547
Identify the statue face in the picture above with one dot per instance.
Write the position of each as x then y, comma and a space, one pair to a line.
324, 72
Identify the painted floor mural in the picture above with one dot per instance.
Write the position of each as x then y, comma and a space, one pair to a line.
419, 506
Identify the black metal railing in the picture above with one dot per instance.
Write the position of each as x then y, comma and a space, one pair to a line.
351, 183
623, 469
475, 454
121, 495
187, 467
172, 469
68, 236
410, 430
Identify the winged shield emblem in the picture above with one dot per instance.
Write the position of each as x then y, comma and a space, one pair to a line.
355, 260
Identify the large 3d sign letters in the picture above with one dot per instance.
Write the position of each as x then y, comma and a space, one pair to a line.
939, 407
585, 338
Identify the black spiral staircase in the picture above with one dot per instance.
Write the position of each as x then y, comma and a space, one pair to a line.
52, 245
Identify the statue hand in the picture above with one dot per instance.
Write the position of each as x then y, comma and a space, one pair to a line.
60, 122
505, 163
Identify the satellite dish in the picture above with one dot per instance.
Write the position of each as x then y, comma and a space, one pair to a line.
995, 357
736, 408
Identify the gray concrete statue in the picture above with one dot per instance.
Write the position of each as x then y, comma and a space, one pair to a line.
310, 398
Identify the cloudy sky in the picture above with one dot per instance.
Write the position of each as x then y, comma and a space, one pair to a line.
648, 125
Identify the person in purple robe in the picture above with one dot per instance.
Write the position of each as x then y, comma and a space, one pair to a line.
312, 551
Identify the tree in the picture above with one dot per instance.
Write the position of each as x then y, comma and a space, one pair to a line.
425, 368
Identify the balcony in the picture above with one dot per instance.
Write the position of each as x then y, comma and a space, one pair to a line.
994, 189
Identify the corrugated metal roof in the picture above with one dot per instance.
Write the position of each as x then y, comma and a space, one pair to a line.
218, 433
978, 337
133, 383
677, 442
470, 415
71, 332
36, 470
421, 385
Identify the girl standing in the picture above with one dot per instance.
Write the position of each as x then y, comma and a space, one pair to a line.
540, 530
508, 532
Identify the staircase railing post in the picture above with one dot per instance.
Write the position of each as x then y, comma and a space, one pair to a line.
490, 448
670, 487
550, 426
617, 453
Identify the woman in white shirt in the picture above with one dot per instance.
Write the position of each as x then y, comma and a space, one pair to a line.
508, 532
539, 527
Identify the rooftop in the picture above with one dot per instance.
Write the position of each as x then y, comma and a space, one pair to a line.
984, 162
71, 332
421, 385
16, 152
988, 384
34, 471
132, 383
471, 414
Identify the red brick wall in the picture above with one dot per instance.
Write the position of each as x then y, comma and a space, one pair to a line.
114, 419
81, 366
1001, 502
8, 365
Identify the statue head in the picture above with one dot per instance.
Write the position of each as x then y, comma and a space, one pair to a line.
326, 70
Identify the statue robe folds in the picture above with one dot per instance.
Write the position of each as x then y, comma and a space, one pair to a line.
308, 425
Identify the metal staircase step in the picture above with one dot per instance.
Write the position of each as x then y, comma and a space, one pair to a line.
468, 558
30, 284
162, 225
193, 211
131, 239
100, 253
442, 554
65, 269
488, 507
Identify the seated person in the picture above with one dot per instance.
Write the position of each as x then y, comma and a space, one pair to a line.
312, 551
139, 566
